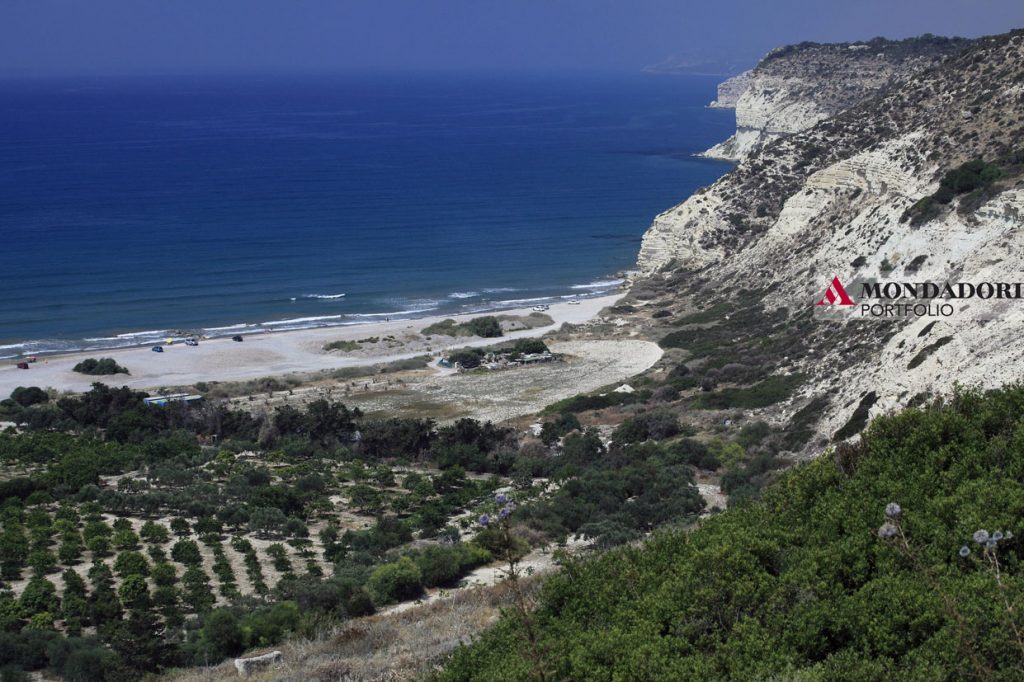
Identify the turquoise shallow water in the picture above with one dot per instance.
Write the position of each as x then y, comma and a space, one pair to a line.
131, 207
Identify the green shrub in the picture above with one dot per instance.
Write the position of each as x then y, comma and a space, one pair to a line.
487, 326
186, 552
221, 635
657, 424
32, 395
973, 178
468, 358
131, 563
443, 565
101, 367
398, 581
966, 178
585, 403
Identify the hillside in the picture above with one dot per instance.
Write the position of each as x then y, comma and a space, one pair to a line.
136, 539
823, 579
796, 86
853, 197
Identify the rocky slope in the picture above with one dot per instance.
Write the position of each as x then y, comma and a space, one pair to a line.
832, 198
795, 87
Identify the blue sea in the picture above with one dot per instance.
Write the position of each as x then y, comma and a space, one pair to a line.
132, 208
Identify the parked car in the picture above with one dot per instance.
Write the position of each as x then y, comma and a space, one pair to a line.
236, 337
157, 349
191, 342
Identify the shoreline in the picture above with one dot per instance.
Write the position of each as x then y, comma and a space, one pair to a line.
277, 353
13, 350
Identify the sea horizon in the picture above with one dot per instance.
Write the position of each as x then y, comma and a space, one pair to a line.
139, 210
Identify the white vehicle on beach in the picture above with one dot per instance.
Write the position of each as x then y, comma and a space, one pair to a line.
540, 308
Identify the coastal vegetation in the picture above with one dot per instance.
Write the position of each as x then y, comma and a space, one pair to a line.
470, 358
486, 326
100, 367
135, 538
897, 556
975, 179
344, 345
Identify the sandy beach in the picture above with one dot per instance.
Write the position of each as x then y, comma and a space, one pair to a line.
274, 353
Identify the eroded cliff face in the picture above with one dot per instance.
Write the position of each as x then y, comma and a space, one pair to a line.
831, 199
795, 87
729, 91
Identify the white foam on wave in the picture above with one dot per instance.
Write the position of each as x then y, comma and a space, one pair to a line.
323, 297
395, 313
151, 332
499, 290
300, 320
229, 328
464, 294
600, 284
522, 301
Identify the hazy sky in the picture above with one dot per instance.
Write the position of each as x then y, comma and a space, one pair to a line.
47, 37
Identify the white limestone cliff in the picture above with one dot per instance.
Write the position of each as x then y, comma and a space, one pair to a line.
794, 88
729, 91
830, 198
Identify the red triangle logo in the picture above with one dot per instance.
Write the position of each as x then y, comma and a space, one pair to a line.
835, 294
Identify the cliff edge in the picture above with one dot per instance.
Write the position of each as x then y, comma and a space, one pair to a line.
920, 180
795, 87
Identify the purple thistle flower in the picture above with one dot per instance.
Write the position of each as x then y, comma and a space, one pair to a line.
505, 511
893, 510
980, 536
887, 531
501, 498
965, 551
484, 519
997, 536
